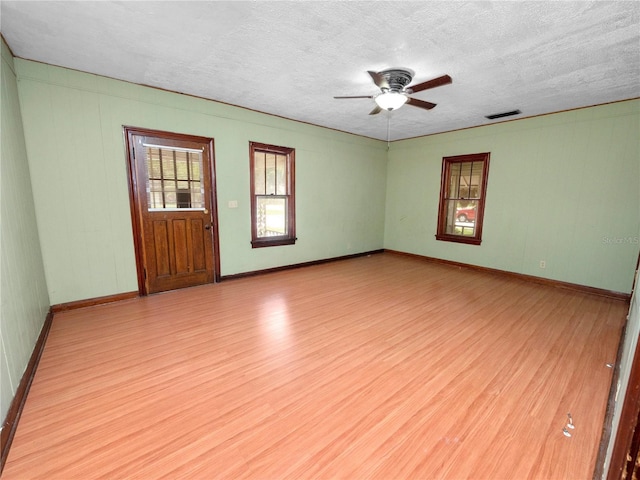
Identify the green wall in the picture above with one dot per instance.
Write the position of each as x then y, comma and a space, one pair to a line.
24, 302
564, 188
73, 124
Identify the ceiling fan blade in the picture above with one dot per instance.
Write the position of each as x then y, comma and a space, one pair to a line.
436, 82
375, 111
358, 96
420, 103
379, 80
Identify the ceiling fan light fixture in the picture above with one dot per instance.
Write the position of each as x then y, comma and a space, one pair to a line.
391, 100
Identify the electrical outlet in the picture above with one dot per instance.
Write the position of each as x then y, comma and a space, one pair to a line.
233, 204
543, 264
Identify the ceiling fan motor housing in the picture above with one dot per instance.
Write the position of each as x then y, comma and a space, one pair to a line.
397, 78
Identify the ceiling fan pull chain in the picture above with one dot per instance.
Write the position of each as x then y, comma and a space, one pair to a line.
388, 130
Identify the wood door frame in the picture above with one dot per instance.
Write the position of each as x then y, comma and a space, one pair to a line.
627, 437
133, 183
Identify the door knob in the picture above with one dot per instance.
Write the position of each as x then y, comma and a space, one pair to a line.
207, 227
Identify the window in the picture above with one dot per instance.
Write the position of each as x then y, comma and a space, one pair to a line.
273, 220
174, 178
462, 194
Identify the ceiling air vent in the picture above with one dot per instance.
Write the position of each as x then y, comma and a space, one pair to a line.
503, 114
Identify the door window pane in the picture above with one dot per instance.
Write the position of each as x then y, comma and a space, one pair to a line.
174, 178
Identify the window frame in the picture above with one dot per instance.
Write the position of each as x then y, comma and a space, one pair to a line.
447, 163
290, 237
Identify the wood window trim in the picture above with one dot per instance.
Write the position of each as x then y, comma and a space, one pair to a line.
290, 237
441, 234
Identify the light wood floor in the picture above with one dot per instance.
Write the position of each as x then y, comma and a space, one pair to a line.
376, 367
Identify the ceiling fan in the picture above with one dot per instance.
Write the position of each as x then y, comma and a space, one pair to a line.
394, 91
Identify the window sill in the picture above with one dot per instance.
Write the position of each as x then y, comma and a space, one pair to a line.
272, 242
459, 239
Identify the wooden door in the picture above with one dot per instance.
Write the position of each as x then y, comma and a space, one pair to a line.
172, 187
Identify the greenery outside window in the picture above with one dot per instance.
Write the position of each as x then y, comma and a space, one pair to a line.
462, 197
273, 220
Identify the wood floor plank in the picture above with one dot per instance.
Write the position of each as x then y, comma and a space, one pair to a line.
375, 367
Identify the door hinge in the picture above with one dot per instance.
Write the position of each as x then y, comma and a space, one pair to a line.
144, 270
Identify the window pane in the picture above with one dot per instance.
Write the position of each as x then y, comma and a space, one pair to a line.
183, 198
451, 213
155, 200
476, 180
168, 167
169, 189
196, 183
153, 163
454, 182
270, 172
465, 179
461, 217
197, 199
281, 175
154, 193
196, 161
466, 211
174, 178
271, 216
182, 169
258, 172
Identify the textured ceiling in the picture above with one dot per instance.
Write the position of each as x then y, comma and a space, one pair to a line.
291, 58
